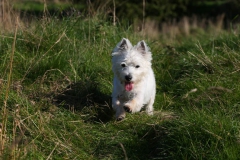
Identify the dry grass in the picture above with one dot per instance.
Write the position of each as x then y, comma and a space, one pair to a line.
4, 112
185, 26
7, 16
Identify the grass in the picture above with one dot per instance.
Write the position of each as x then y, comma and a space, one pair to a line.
59, 105
38, 6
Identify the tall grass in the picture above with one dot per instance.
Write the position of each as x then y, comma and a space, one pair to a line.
59, 105
4, 112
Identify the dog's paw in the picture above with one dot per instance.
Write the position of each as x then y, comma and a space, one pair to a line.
120, 118
127, 109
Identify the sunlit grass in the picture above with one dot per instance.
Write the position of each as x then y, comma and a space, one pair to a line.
59, 104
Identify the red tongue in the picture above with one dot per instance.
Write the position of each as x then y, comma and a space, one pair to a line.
128, 86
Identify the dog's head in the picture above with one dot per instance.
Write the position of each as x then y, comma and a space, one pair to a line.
131, 63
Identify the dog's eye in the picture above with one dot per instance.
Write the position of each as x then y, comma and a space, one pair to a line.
137, 66
123, 65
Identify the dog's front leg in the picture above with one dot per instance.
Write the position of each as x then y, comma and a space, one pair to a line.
134, 105
117, 106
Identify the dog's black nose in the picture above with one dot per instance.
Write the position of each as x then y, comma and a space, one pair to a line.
128, 77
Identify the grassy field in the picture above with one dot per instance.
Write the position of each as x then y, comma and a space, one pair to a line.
56, 81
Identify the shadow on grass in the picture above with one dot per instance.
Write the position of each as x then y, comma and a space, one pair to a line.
138, 137
84, 96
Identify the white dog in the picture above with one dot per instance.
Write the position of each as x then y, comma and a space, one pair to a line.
134, 85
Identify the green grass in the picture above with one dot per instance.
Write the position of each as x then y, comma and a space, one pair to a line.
59, 104
38, 6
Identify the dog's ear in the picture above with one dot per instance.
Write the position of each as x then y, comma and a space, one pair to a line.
142, 47
144, 50
125, 44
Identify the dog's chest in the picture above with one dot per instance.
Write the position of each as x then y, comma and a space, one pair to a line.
126, 96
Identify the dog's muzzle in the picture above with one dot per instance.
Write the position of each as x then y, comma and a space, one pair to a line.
128, 77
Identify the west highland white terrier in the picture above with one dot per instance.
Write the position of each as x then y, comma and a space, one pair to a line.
134, 85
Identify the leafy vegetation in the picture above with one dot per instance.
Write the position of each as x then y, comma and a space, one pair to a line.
57, 92
163, 10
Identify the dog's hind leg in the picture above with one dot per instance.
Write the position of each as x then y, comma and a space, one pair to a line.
149, 107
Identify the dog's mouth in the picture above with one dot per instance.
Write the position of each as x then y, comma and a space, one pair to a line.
128, 86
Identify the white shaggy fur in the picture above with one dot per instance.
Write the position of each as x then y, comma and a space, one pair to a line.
134, 84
